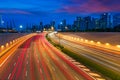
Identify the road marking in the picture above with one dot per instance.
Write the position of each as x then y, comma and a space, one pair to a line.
26, 73
53, 68
27, 62
81, 66
40, 70
4, 61
76, 63
14, 64
57, 59
76, 78
9, 75
64, 66
38, 61
100, 79
72, 60
94, 74
87, 70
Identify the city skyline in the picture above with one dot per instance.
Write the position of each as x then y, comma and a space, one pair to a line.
35, 11
59, 39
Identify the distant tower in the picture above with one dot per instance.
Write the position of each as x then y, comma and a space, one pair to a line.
41, 26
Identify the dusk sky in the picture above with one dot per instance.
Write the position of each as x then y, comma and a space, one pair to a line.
34, 11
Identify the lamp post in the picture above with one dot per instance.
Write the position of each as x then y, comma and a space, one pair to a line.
59, 38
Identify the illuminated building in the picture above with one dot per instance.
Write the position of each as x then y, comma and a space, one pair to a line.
105, 21
116, 20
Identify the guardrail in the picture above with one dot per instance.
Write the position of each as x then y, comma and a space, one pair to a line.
10, 44
91, 42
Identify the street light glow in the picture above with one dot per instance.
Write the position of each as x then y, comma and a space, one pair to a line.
61, 23
98, 42
107, 44
86, 40
118, 46
2, 22
92, 41
21, 26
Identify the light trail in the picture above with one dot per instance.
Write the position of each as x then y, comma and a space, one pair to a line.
36, 59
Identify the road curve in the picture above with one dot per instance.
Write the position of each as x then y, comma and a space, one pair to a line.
37, 59
105, 58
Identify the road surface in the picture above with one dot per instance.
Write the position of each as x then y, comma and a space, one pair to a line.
107, 59
36, 59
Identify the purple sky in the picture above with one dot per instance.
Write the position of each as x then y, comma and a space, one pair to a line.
33, 11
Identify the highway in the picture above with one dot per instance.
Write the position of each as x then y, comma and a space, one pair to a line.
107, 59
37, 59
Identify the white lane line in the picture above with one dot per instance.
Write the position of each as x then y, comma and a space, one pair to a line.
9, 75
38, 61
100, 79
26, 73
40, 70
72, 60
5, 60
57, 59
87, 70
27, 62
76, 63
81, 66
94, 74
76, 78
64, 66
14, 64
53, 68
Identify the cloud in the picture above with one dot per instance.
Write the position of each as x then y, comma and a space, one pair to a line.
14, 11
90, 6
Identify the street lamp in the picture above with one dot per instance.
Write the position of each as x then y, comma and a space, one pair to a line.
44, 29
20, 27
66, 28
52, 28
2, 22
61, 23
59, 38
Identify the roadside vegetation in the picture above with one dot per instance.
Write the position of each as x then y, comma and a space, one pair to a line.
106, 72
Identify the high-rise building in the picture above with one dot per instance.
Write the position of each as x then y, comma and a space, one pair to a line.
1, 21
41, 26
95, 23
52, 24
63, 25
116, 20
88, 23
77, 24
105, 21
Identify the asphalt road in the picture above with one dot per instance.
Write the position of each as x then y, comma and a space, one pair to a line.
107, 59
36, 59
